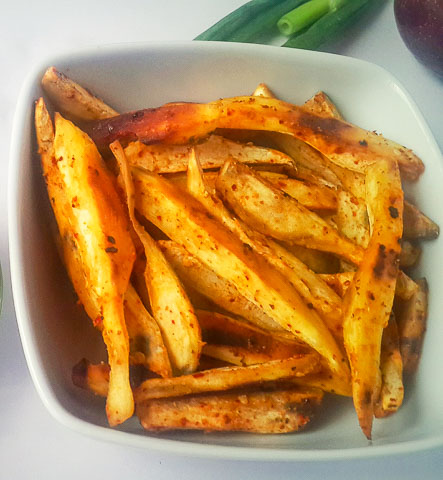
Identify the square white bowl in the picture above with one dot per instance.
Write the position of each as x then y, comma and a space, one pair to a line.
55, 332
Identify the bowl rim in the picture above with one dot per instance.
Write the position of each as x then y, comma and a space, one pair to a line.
40, 380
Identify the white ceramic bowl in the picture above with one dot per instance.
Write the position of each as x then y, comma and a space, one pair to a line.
54, 331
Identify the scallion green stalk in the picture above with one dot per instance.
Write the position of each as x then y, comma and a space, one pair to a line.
306, 14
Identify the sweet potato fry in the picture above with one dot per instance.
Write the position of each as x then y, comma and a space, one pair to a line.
61, 204
226, 378
240, 356
268, 210
341, 142
411, 318
278, 411
169, 303
194, 274
325, 381
416, 225
146, 346
391, 367
73, 100
98, 250
212, 153
187, 222
369, 298
314, 197
351, 218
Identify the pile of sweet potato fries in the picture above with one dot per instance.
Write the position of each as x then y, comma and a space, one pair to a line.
241, 257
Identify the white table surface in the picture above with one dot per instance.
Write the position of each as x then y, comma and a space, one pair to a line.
32, 444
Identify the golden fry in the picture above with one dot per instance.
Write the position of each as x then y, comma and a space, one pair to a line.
194, 274
226, 378
279, 411
369, 298
72, 99
411, 318
212, 153
271, 212
146, 346
391, 367
417, 225
98, 250
343, 143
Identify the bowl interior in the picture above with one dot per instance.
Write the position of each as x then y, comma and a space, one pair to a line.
56, 333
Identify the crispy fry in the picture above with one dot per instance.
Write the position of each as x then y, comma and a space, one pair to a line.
239, 356
73, 100
351, 218
391, 367
186, 221
269, 211
313, 197
368, 300
170, 304
61, 204
146, 346
411, 318
278, 411
417, 225
325, 381
223, 293
98, 250
212, 153
221, 379
341, 142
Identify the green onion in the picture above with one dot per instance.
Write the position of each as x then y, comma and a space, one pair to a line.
228, 25
331, 24
265, 23
306, 15
250, 21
